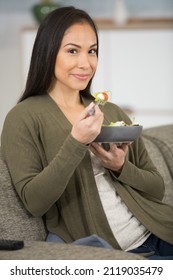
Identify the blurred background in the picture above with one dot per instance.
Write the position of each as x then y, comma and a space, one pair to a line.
135, 61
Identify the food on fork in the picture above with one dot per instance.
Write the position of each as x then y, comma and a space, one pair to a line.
100, 99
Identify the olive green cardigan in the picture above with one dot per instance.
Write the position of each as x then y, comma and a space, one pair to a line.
53, 175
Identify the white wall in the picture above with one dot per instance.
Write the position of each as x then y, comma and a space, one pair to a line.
10, 59
137, 66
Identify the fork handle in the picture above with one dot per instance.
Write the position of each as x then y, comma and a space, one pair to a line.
91, 111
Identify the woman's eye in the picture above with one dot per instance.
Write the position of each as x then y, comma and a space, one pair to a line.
93, 51
73, 51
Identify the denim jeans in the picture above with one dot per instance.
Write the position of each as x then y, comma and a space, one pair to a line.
92, 240
159, 249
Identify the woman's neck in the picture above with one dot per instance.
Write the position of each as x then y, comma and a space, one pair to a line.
65, 98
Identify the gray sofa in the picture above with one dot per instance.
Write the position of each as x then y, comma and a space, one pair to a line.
17, 223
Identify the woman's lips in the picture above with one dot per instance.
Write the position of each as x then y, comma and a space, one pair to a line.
82, 77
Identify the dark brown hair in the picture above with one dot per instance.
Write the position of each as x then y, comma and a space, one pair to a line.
46, 46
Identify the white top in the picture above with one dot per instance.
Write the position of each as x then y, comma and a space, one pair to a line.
128, 231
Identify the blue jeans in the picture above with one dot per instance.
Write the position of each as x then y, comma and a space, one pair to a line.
162, 250
92, 240
159, 249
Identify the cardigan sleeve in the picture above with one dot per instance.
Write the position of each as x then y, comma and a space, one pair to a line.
38, 186
140, 173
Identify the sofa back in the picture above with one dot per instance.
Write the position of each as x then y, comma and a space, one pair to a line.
159, 143
17, 223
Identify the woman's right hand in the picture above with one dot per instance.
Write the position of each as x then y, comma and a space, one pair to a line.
86, 128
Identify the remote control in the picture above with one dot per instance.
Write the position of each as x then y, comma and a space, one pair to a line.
11, 244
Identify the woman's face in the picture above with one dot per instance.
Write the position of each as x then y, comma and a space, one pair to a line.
76, 60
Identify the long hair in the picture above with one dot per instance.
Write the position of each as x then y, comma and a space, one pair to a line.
46, 47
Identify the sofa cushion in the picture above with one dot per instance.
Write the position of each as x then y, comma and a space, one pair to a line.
160, 149
162, 136
36, 250
15, 221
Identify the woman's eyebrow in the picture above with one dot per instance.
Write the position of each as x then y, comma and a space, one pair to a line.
77, 46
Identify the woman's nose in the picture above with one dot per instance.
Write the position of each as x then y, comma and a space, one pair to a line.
83, 61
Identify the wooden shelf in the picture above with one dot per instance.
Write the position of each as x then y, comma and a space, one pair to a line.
136, 23
132, 23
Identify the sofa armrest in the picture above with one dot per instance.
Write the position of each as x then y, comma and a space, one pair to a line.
34, 250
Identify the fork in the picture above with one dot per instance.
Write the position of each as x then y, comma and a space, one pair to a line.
92, 110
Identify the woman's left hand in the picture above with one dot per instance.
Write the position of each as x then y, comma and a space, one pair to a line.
112, 159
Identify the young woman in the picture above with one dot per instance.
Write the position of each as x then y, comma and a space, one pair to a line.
86, 194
